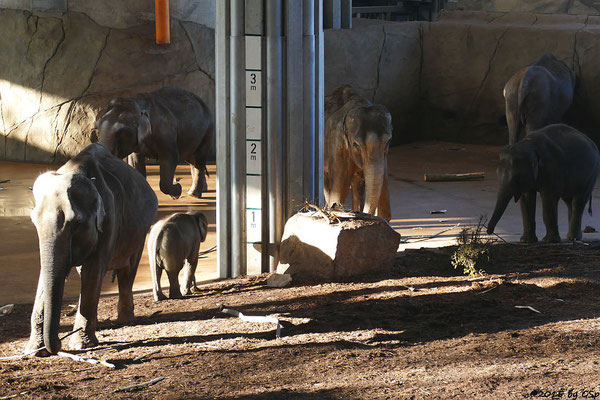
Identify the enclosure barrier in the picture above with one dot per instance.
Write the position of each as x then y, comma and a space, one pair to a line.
269, 106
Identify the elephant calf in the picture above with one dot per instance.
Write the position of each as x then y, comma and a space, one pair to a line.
556, 161
172, 242
170, 124
357, 138
538, 96
92, 213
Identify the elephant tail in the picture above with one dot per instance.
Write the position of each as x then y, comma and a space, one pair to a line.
522, 104
153, 240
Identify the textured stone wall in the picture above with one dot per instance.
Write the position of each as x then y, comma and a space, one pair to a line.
124, 13
444, 80
58, 72
583, 7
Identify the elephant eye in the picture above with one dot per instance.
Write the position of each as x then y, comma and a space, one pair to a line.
356, 146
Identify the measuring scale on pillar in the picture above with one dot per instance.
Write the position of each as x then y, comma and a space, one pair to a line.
254, 159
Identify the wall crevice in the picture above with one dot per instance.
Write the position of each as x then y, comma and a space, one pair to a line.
379, 62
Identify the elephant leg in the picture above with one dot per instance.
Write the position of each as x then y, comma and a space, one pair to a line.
36, 339
198, 181
550, 212
384, 209
126, 276
156, 272
527, 204
92, 276
138, 162
174, 292
576, 209
189, 271
358, 191
167, 174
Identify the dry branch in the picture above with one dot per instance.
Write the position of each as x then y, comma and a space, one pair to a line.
252, 318
40, 349
146, 355
90, 360
470, 176
140, 385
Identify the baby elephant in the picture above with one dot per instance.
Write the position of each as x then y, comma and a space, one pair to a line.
558, 162
172, 242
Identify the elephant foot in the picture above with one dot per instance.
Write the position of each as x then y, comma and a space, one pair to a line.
175, 295
125, 317
195, 193
529, 238
82, 340
551, 238
34, 345
574, 237
159, 296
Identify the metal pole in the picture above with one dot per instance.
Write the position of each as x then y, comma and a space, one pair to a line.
309, 170
238, 138
346, 14
319, 102
294, 107
332, 14
274, 128
222, 137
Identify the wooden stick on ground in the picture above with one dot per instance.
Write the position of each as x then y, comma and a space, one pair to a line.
40, 349
471, 176
252, 318
90, 360
140, 385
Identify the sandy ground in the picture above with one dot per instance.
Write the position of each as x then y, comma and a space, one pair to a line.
421, 331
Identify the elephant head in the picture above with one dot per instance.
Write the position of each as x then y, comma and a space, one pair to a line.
68, 216
517, 174
368, 133
124, 127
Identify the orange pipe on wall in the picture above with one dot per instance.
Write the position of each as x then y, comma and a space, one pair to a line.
163, 27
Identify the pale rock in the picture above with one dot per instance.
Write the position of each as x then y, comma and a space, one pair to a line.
276, 280
312, 249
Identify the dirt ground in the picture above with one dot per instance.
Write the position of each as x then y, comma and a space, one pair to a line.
421, 331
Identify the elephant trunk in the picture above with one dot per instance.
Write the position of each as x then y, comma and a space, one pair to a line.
502, 201
55, 260
374, 176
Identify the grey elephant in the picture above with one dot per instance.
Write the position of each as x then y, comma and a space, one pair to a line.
357, 139
537, 96
558, 162
92, 213
169, 124
172, 242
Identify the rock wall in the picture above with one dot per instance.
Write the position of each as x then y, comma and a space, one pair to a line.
57, 73
444, 80
584, 7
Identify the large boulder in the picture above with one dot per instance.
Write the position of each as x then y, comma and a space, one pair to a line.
312, 248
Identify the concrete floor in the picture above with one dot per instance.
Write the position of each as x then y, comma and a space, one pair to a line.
412, 201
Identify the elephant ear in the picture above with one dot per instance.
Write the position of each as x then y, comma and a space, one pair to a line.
144, 129
351, 125
203, 225
100, 213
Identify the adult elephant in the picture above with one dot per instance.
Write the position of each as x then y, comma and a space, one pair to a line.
538, 96
169, 124
92, 213
357, 139
558, 162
